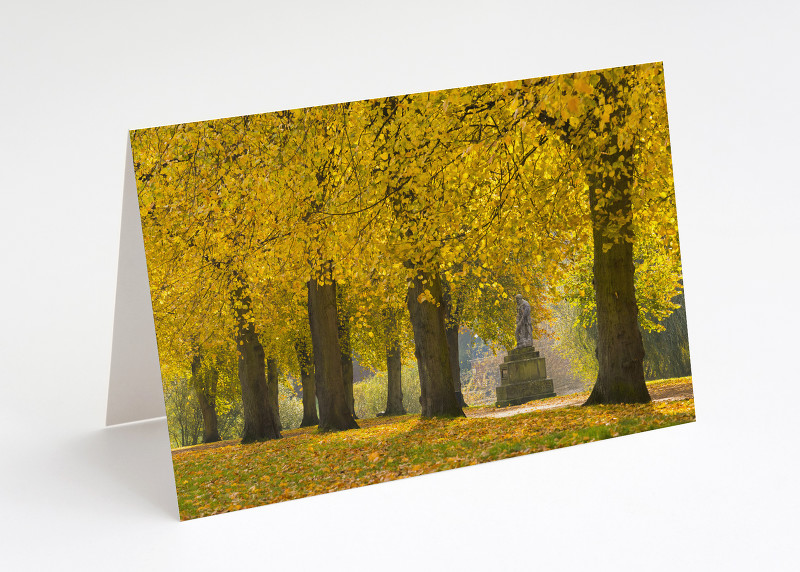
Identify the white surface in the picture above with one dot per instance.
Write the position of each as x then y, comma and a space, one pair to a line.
134, 389
717, 494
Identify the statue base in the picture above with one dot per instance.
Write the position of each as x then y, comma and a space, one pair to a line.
523, 378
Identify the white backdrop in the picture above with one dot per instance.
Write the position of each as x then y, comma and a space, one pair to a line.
720, 493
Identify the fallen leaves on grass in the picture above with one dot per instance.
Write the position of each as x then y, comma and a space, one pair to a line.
305, 463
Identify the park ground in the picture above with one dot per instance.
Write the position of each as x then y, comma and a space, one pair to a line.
226, 476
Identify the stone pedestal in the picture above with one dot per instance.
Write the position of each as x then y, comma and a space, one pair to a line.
523, 378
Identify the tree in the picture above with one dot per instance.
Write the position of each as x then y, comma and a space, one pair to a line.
185, 420
334, 411
609, 167
452, 312
394, 366
205, 386
611, 114
346, 347
187, 175
306, 367
375, 227
260, 413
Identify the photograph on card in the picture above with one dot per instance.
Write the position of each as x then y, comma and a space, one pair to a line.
367, 291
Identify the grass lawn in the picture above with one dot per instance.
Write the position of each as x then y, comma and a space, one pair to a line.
228, 476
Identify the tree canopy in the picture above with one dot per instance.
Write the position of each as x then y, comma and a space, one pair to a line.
420, 212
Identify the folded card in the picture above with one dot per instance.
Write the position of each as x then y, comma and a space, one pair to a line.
366, 291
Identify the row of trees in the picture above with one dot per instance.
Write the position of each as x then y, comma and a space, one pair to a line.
296, 239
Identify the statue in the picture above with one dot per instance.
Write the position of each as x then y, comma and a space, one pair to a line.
524, 331
523, 373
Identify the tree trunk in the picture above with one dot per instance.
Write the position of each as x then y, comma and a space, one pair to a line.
452, 325
394, 368
334, 411
260, 421
272, 389
343, 324
205, 386
620, 353
431, 349
207, 406
307, 381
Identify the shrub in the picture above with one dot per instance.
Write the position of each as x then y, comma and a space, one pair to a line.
290, 407
370, 394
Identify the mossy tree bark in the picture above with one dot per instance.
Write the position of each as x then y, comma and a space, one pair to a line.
307, 382
431, 348
334, 411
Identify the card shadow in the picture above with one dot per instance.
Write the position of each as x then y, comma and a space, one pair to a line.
134, 458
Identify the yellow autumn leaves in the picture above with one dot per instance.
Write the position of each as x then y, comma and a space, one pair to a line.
304, 463
479, 184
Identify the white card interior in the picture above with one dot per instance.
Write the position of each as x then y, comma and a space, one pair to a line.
134, 391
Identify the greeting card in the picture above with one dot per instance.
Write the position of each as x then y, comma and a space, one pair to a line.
366, 291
